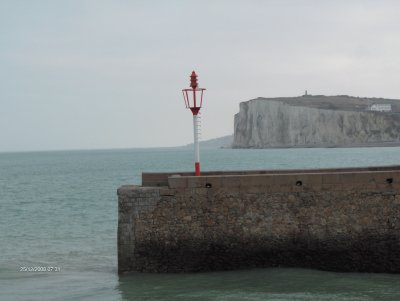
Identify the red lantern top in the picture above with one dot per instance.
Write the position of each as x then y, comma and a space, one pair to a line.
193, 102
193, 80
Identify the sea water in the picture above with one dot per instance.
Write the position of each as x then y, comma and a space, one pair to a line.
58, 211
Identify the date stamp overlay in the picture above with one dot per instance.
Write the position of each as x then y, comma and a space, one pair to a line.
40, 269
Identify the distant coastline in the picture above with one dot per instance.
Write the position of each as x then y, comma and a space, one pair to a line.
220, 142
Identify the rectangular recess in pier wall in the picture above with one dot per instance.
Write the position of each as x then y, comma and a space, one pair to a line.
343, 220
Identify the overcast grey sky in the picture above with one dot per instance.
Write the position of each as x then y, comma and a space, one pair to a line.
108, 74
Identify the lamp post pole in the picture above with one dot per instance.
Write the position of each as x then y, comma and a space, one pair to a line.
194, 104
196, 145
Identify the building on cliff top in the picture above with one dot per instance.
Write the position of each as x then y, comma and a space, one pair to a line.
381, 107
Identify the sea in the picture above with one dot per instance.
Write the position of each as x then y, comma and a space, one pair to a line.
58, 228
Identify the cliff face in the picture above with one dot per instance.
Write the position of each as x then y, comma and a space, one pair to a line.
276, 122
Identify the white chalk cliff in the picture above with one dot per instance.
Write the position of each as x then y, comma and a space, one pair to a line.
315, 121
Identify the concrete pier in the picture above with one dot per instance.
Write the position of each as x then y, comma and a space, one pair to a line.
332, 219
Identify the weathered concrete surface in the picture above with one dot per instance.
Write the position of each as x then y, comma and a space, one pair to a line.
309, 122
342, 221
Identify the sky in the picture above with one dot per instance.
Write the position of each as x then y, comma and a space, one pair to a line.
78, 74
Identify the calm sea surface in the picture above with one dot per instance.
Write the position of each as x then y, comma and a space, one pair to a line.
59, 209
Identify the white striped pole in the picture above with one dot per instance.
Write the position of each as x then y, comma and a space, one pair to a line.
196, 145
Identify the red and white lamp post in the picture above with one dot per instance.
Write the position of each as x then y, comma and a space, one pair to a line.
193, 100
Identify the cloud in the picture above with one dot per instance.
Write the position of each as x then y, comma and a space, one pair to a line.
118, 67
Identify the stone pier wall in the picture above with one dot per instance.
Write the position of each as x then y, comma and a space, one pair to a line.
343, 220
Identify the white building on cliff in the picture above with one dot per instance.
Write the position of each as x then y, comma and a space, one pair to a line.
380, 107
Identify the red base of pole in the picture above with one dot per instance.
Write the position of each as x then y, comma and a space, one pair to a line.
197, 168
